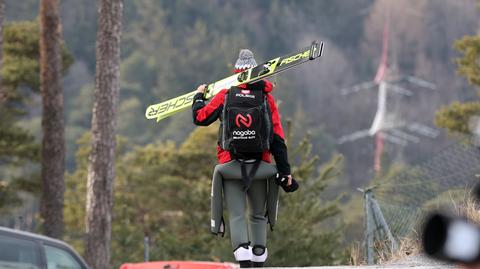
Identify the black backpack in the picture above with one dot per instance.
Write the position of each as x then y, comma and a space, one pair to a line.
246, 129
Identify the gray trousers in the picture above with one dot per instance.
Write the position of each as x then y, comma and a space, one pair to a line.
260, 194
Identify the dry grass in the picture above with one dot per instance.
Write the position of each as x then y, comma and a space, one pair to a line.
469, 208
407, 247
383, 254
356, 254
472, 211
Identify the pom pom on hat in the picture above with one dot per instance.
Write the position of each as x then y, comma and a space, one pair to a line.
245, 60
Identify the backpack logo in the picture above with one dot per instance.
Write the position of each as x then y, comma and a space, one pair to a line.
242, 120
245, 94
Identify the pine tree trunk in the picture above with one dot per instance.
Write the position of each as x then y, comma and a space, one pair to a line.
101, 167
53, 142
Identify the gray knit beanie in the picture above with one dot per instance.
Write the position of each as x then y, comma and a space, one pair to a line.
245, 60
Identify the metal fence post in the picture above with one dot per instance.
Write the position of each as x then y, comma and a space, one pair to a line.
384, 225
369, 251
146, 248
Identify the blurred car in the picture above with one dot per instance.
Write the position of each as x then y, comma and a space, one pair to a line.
180, 265
24, 250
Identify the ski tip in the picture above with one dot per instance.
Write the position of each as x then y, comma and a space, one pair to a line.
316, 50
152, 112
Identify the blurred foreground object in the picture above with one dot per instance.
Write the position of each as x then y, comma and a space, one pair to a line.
451, 239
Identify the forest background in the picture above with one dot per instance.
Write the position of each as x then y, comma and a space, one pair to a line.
170, 47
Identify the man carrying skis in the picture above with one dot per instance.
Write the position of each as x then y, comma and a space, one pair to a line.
250, 131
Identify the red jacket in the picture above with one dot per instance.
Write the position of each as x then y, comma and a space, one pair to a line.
205, 114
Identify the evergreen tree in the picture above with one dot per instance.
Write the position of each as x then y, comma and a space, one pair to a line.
17, 145
20, 82
304, 235
457, 118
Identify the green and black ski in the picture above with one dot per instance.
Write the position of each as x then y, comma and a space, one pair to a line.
167, 108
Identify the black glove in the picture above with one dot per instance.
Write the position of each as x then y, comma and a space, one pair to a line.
283, 181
